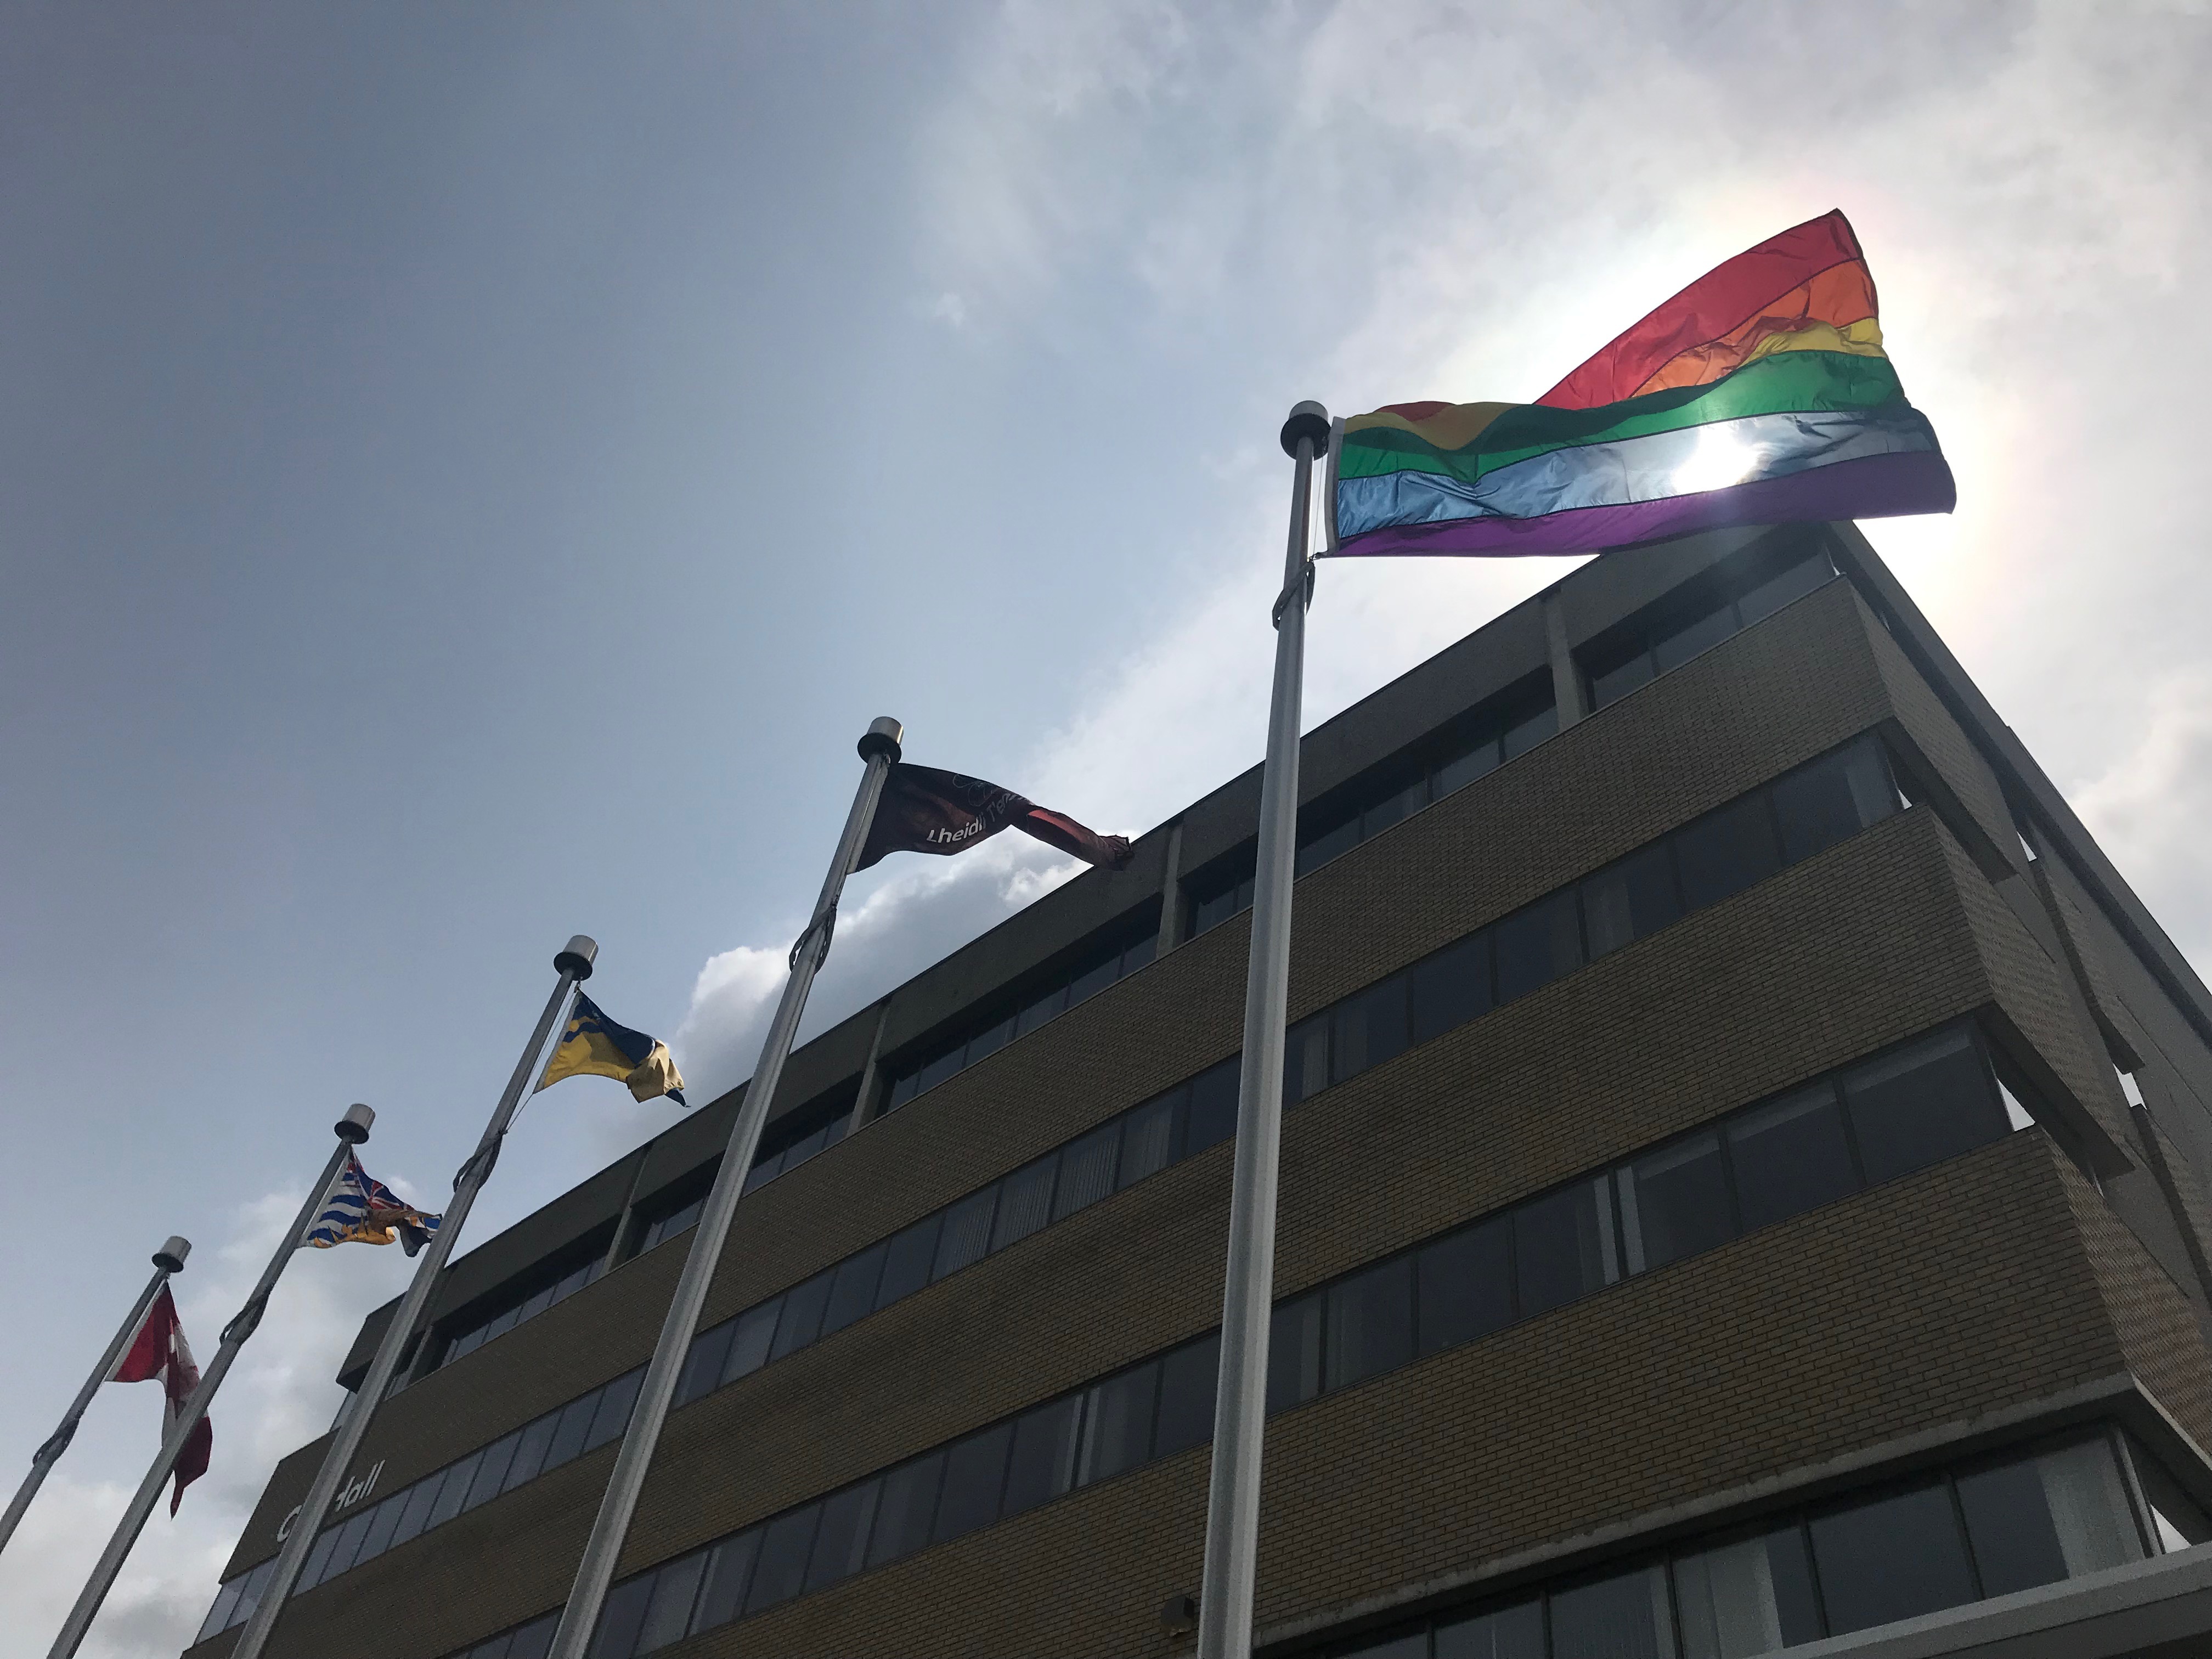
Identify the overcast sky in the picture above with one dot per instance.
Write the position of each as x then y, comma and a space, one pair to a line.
469, 473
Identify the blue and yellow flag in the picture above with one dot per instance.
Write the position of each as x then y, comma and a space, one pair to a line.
594, 1046
360, 1209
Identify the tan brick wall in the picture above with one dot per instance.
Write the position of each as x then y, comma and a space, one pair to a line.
2159, 1334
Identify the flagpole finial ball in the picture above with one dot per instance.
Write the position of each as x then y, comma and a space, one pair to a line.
884, 737
171, 1256
577, 958
353, 1127
1309, 419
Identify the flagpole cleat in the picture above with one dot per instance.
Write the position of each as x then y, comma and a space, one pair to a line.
576, 960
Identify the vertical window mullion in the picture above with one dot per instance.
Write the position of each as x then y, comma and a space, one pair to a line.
1965, 1536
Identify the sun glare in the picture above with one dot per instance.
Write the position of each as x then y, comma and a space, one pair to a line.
1719, 461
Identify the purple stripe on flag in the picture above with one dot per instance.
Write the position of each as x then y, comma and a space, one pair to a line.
1871, 487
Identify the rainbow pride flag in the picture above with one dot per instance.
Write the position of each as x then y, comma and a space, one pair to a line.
1759, 394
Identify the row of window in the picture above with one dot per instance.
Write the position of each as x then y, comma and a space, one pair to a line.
1804, 812
1640, 661
537, 1448
1986, 1527
1901, 1111
1079, 986
1982, 1528
1800, 814
1510, 736
1141, 1141
468, 1341
1881, 1118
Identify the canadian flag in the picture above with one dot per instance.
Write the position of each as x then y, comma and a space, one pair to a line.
159, 1350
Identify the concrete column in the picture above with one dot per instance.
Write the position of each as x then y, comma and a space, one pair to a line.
1174, 922
1566, 680
863, 1103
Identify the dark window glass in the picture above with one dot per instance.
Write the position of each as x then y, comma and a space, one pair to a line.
906, 1260
1306, 1059
422, 1498
455, 1491
842, 1542
1702, 634
621, 1616
1617, 683
1622, 1616
852, 1291
530, 1454
1188, 1379
317, 1566
1630, 899
463, 1345
381, 1521
495, 1647
1025, 1202
1086, 1170
990, 1041
1894, 1558
1830, 800
1461, 770
1092, 981
2176, 1520
1140, 954
1148, 1140
2015, 1545
940, 1069
764, 1171
1370, 1323
750, 1337
1294, 1353
702, 1363
974, 1474
536, 1305
1041, 1010
535, 1639
1209, 912
348, 1547
1466, 1284
1212, 1107
1504, 1633
780, 1573
903, 1091
497, 1457
1370, 1028
218, 1616
1042, 1464
1414, 1645
906, 1509
1117, 1424
1536, 945
1330, 843
1451, 987
729, 1575
1771, 595
1791, 1156
1402, 804
1922, 1104
1563, 1247
803, 1307
1674, 1203
1524, 735
967, 1232
613, 1415
1747, 1597
1724, 851
668, 1615
797, 1154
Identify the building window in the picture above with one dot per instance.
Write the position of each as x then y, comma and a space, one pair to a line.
1652, 644
587, 1260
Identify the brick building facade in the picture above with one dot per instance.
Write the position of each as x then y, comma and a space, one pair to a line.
1744, 1186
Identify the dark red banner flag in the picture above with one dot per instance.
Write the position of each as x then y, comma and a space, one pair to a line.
925, 811
158, 1352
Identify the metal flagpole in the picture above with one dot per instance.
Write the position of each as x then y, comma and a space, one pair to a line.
1240, 1400
573, 965
351, 1130
169, 1259
879, 748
